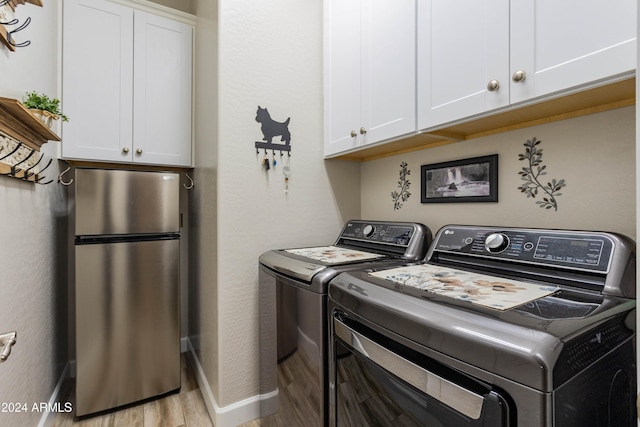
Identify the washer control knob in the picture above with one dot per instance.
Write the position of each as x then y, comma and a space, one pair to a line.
496, 242
368, 230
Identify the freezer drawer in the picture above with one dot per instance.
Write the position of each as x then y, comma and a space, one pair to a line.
126, 202
127, 322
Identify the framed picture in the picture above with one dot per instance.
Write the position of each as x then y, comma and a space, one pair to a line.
460, 181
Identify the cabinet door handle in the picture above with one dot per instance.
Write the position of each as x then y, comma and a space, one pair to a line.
353, 134
519, 76
125, 150
493, 85
139, 151
363, 131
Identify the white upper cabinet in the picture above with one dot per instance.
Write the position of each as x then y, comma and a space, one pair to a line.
569, 43
370, 65
126, 85
162, 90
97, 80
462, 47
476, 56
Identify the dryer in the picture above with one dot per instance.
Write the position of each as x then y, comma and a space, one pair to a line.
498, 327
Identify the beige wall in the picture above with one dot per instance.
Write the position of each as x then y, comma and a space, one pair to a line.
33, 298
595, 154
268, 54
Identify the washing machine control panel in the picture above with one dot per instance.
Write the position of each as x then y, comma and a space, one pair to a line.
573, 249
378, 232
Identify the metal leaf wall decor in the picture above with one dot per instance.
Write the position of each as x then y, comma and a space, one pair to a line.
403, 184
532, 177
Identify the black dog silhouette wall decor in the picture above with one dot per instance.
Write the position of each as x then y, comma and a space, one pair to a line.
270, 129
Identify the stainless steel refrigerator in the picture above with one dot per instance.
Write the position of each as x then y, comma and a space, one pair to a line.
127, 268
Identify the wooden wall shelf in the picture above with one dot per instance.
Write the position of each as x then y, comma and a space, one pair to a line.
4, 37
17, 122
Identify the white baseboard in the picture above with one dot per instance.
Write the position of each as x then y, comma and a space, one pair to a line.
48, 417
236, 413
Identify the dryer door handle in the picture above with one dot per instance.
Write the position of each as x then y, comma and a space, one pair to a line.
444, 391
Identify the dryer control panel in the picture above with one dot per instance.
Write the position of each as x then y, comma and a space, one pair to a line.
572, 249
396, 234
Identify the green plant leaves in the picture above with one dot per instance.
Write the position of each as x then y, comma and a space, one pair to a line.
41, 101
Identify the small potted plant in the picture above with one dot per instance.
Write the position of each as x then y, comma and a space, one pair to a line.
44, 108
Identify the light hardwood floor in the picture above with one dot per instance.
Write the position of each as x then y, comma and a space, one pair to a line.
297, 403
297, 396
183, 409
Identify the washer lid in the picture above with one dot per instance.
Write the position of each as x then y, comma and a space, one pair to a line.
291, 265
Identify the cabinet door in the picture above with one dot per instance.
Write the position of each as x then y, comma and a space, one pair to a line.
561, 45
388, 69
342, 66
369, 72
97, 80
462, 47
162, 90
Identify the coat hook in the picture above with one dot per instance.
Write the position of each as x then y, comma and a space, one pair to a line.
191, 183
14, 21
16, 148
26, 173
20, 28
14, 168
66, 184
45, 168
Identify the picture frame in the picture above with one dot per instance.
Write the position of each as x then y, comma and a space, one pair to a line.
474, 179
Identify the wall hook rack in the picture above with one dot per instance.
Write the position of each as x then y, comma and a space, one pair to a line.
17, 160
18, 29
191, 183
7, 340
61, 181
7, 8
273, 147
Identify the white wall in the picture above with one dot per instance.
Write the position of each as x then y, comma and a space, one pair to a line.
33, 228
595, 154
269, 54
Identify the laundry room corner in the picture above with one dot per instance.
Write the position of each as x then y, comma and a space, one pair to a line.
263, 179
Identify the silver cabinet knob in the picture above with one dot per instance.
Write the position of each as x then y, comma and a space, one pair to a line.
363, 131
353, 134
519, 76
493, 85
139, 151
125, 150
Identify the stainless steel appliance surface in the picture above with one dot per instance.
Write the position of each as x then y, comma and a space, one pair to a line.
126, 287
293, 297
430, 345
